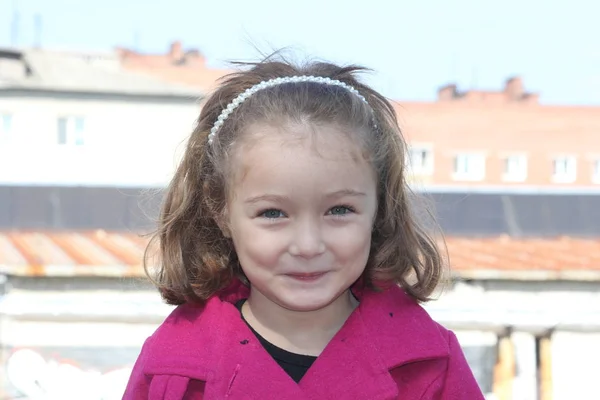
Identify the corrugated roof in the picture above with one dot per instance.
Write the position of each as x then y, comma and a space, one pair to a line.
94, 253
537, 258
100, 253
63, 72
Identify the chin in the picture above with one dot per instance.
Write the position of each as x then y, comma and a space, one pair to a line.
306, 302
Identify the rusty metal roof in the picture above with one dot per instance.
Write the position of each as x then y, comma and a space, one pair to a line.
90, 253
119, 254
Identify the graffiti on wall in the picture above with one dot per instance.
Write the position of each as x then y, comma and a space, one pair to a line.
36, 377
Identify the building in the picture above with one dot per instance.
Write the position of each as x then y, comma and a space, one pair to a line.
518, 184
502, 139
82, 119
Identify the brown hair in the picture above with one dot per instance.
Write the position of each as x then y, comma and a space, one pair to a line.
196, 260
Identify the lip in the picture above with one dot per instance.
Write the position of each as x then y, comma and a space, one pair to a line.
306, 277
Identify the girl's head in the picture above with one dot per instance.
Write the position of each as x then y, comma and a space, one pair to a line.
296, 187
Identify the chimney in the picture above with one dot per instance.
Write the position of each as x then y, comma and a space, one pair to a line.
514, 89
448, 93
514, 92
193, 58
531, 98
176, 51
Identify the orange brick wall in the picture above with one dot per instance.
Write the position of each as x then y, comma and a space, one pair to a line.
542, 132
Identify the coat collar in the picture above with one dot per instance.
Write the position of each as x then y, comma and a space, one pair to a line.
213, 344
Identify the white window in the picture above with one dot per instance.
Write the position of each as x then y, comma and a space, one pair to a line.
420, 160
5, 127
71, 131
469, 167
515, 168
565, 169
596, 171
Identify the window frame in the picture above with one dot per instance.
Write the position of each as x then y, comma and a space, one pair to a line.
74, 127
468, 157
570, 173
427, 165
518, 176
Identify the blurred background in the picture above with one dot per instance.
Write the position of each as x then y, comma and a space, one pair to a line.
499, 101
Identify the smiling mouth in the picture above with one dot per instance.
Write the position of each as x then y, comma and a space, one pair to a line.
307, 277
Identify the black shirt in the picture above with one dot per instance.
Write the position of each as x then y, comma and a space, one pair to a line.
295, 365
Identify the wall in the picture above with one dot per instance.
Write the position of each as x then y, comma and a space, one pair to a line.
127, 142
61, 341
575, 368
524, 316
91, 330
496, 130
67, 372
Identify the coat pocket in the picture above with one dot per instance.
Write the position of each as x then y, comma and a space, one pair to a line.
168, 387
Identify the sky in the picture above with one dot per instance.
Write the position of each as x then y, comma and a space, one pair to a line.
412, 46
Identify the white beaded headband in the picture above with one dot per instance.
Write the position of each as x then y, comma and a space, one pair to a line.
274, 82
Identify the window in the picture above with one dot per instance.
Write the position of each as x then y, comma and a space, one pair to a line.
565, 169
596, 171
421, 160
71, 131
5, 127
469, 166
515, 168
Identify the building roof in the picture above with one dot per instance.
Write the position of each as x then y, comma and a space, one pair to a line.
86, 253
119, 254
460, 213
503, 257
519, 214
44, 70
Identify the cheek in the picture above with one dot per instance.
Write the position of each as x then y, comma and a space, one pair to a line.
257, 247
352, 244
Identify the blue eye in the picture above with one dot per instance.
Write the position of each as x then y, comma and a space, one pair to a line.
271, 214
340, 210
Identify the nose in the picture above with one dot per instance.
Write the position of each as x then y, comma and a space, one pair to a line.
307, 240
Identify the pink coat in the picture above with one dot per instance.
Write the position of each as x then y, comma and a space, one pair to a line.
389, 348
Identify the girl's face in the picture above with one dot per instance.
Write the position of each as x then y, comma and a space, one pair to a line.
300, 212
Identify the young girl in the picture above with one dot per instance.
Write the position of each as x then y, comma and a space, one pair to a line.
288, 243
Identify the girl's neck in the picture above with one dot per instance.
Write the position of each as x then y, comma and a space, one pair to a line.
302, 332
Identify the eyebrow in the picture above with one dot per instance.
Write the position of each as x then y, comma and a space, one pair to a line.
266, 197
346, 192
280, 198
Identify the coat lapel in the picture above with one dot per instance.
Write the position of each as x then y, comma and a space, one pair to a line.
386, 331
401, 329
350, 367
214, 345
247, 371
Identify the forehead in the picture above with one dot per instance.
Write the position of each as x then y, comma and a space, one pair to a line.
327, 141
306, 155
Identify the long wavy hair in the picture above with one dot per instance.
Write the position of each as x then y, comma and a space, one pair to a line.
196, 261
